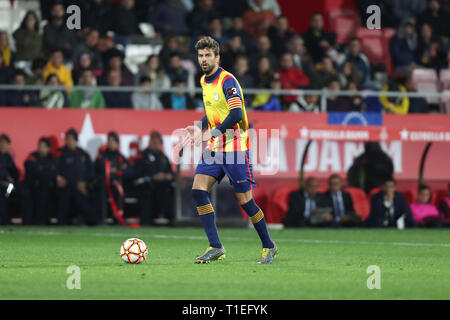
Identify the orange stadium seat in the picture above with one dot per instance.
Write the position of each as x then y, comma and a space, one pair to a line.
344, 23
360, 201
279, 204
410, 195
373, 45
372, 192
427, 81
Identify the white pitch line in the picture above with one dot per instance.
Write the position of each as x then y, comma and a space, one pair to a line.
165, 236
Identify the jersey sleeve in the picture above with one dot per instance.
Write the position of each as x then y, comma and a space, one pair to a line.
232, 93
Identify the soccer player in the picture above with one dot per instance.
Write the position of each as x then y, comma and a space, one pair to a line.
227, 152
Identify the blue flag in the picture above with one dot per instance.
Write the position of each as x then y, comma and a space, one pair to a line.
356, 118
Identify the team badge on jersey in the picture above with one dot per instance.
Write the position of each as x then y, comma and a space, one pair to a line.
216, 97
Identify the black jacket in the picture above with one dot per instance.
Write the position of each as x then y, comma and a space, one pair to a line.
75, 166
378, 210
40, 172
8, 168
326, 200
295, 215
117, 162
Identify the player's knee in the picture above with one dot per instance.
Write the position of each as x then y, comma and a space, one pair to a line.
199, 195
244, 198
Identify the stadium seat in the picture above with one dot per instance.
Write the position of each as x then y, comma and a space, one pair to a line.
438, 196
360, 202
373, 191
410, 195
279, 204
427, 81
373, 45
445, 103
444, 79
344, 23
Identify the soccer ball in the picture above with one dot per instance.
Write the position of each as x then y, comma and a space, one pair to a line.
133, 250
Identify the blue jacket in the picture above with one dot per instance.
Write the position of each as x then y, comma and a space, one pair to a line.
378, 210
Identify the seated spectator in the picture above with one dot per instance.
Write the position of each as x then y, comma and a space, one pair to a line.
178, 100
55, 66
279, 35
324, 74
175, 69
96, 14
317, 40
28, 39
215, 30
243, 76
106, 46
21, 97
155, 180
52, 98
356, 101
231, 50
6, 52
83, 63
416, 104
56, 35
6, 73
348, 73
237, 28
258, 19
336, 103
75, 173
291, 77
424, 213
40, 178
169, 17
304, 207
263, 74
437, 17
170, 48
402, 47
87, 98
401, 10
153, 69
116, 99
340, 201
305, 103
358, 60
37, 72
268, 101
199, 18
115, 63
263, 48
370, 169
393, 104
8, 174
444, 207
125, 23
387, 207
302, 60
431, 50
89, 46
145, 100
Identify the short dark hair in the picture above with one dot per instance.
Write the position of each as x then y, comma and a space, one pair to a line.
143, 79
424, 187
45, 140
72, 132
208, 43
390, 179
114, 135
5, 137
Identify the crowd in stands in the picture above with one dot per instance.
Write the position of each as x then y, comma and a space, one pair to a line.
257, 46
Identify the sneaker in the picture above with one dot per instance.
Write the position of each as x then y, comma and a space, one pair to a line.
268, 254
211, 254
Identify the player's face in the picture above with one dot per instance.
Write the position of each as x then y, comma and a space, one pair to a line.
207, 60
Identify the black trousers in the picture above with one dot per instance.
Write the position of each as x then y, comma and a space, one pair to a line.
69, 196
156, 200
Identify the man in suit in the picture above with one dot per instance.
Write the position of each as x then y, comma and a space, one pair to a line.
304, 207
388, 206
340, 201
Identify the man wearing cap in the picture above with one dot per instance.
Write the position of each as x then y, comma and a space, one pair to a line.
154, 179
75, 173
40, 179
8, 174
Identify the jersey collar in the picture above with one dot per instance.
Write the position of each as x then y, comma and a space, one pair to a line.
213, 77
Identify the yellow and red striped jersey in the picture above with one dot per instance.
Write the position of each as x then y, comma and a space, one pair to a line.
221, 93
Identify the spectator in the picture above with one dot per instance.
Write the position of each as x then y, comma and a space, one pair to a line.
424, 213
37, 72
279, 35
84, 62
263, 49
348, 73
358, 59
115, 63
437, 17
370, 169
111, 168
125, 21
8, 174
357, 103
416, 104
215, 30
20, 97
55, 66
52, 98
237, 28
402, 48
155, 177
336, 103
6, 52
291, 77
198, 19
96, 14
177, 100
116, 99
317, 40
392, 104
302, 60
153, 69
175, 69
75, 174
6, 72
28, 39
324, 74
243, 76
231, 50
258, 19
405, 9
304, 207
87, 98
170, 48
264, 73
106, 46
305, 103
341, 203
431, 50
40, 178
145, 100
268, 101
388, 208
444, 206
56, 35
89, 46
170, 17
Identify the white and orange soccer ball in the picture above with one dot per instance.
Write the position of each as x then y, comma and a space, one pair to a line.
133, 250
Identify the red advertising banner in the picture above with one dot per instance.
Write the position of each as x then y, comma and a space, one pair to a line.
332, 151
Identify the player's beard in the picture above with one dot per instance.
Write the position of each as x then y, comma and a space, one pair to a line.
208, 70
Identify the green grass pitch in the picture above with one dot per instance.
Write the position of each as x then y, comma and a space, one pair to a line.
312, 264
